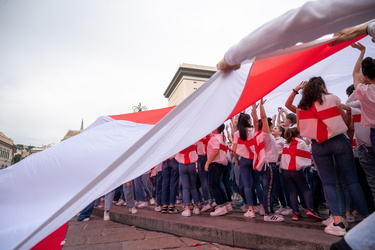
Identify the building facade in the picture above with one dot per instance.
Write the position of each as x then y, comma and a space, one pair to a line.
188, 78
7, 150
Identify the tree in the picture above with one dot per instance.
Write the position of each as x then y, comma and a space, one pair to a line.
139, 108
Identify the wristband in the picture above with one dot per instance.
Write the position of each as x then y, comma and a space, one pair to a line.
295, 91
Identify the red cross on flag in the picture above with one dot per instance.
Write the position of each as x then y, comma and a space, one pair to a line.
295, 156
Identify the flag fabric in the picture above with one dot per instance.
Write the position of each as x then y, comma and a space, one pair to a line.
188, 155
57, 183
257, 147
295, 155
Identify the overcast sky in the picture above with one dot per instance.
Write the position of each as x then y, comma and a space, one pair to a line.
63, 61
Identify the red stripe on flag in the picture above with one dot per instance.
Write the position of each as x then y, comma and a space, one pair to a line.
265, 75
146, 117
293, 151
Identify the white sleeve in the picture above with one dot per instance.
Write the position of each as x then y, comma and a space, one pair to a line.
307, 23
371, 29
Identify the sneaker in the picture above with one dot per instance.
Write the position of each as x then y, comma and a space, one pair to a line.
296, 216
350, 218
120, 202
133, 210
106, 216
157, 209
219, 211
240, 204
345, 222
302, 209
206, 207
280, 210
287, 211
327, 221
100, 206
244, 208
256, 209
261, 211
142, 204
164, 209
152, 201
250, 214
172, 210
311, 214
229, 207
338, 230
86, 219
273, 218
196, 211
186, 213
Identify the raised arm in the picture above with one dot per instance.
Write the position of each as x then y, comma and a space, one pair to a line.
255, 117
357, 75
289, 102
263, 116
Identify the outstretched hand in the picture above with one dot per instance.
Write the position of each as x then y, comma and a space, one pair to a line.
359, 46
222, 65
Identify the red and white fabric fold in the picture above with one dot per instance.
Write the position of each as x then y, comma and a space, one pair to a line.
188, 155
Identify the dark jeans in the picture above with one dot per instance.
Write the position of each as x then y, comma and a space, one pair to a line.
268, 177
225, 183
297, 184
215, 172
170, 181
367, 160
246, 166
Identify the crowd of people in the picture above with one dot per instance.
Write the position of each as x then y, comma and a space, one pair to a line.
321, 151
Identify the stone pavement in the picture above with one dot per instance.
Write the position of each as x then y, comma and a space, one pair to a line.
169, 231
98, 234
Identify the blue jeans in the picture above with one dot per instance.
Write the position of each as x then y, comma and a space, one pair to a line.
362, 235
86, 212
188, 176
129, 195
297, 184
203, 177
268, 177
170, 182
334, 158
246, 165
257, 184
215, 172
367, 160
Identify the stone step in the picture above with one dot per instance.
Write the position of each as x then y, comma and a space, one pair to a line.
231, 229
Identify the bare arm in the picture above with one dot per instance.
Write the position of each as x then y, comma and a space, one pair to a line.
263, 116
357, 76
351, 33
255, 117
289, 101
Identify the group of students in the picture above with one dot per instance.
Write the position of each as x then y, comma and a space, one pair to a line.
268, 153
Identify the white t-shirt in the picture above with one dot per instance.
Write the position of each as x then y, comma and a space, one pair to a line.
366, 94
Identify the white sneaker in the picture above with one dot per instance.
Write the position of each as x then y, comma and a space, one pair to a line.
196, 211
120, 202
106, 216
214, 204
186, 213
133, 210
229, 207
206, 207
280, 210
86, 219
143, 204
327, 221
157, 209
249, 214
152, 201
287, 211
219, 211
338, 230
273, 218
